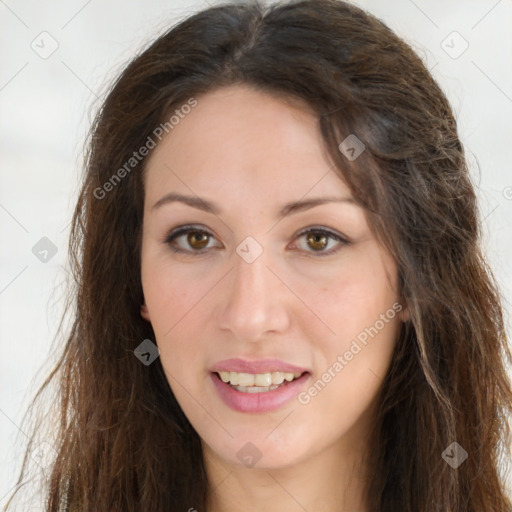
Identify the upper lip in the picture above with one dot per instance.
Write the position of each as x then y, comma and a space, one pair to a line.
256, 366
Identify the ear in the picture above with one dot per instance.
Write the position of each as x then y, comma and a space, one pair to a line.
144, 313
404, 314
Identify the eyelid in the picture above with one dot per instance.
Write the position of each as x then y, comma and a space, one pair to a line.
179, 230
325, 230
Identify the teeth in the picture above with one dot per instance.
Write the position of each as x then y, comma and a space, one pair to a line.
260, 380
277, 378
263, 379
245, 379
256, 389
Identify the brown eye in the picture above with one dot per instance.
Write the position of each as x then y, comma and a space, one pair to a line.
191, 240
320, 241
317, 241
197, 239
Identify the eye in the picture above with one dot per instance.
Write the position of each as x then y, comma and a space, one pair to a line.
320, 241
193, 239
190, 239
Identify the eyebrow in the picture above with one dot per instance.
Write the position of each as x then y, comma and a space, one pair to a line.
209, 207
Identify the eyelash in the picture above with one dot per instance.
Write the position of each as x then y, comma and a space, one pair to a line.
185, 230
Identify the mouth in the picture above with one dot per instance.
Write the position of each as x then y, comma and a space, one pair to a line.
258, 393
259, 382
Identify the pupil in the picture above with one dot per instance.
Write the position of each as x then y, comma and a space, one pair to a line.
198, 240
317, 241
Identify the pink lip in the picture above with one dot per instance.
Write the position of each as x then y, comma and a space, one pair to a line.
258, 402
261, 366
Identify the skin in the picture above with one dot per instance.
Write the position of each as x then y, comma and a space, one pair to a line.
250, 153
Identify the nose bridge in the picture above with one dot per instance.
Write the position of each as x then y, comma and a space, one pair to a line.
250, 279
254, 303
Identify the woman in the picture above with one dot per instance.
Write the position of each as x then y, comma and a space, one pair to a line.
281, 300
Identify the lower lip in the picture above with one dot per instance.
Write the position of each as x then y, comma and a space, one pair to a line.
258, 402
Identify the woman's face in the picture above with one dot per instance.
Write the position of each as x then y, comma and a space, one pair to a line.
258, 268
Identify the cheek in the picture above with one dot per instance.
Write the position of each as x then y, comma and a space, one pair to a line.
177, 316
350, 374
354, 298
171, 295
360, 306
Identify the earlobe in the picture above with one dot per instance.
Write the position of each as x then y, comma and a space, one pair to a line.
144, 313
404, 314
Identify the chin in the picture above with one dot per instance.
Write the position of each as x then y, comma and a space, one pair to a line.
259, 450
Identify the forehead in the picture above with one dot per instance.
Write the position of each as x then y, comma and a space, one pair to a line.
246, 142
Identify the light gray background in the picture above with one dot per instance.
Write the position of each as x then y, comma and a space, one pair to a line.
45, 109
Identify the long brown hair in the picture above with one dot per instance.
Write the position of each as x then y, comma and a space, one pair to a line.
122, 442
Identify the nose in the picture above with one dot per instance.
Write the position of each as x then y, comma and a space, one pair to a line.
254, 302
